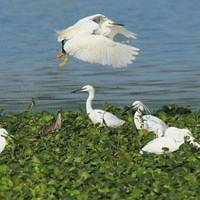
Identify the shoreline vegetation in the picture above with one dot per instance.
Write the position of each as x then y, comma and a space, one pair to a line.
82, 161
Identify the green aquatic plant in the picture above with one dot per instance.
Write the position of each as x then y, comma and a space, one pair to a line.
82, 161
174, 109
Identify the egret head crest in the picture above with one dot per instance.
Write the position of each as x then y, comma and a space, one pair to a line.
141, 106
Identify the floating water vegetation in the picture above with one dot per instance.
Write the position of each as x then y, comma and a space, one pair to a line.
82, 161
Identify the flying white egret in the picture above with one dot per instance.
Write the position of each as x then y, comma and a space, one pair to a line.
171, 141
91, 40
3, 135
99, 116
148, 122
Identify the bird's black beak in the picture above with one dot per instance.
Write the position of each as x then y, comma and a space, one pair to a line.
8, 136
128, 108
117, 24
77, 90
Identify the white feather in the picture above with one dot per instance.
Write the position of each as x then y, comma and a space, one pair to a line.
105, 118
181, 134
98, 116
172, 140
3, 134
148, 122
115, 30
158, 145
85, 26
99, 49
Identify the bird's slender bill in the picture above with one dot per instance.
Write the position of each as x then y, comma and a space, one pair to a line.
8, 136
77, 90
117, 24
128, 108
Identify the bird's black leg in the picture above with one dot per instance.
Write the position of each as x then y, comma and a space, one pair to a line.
63, 52
63, 43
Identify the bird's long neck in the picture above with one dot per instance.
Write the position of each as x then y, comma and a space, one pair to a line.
139, 111
89, 101
138, 117
59, 118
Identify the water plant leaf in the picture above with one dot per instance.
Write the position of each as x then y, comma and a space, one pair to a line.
82, 161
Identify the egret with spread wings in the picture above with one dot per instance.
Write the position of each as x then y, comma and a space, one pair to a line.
91, 40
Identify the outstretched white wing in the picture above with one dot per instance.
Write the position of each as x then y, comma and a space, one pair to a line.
102, 50
118, 29
89, 24
83, 26
115, 28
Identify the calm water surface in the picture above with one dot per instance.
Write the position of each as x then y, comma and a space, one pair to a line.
167, 69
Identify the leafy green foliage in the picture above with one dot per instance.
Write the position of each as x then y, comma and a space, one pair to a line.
174, 109
83, 161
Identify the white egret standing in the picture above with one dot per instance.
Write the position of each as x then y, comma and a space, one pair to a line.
91, 40
3, 134
148, 122
99, 116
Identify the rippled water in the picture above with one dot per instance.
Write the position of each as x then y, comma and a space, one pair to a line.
167, 69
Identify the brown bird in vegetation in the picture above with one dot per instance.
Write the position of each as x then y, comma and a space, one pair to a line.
56, 125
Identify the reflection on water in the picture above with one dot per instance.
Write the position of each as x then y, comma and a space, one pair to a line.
167, 70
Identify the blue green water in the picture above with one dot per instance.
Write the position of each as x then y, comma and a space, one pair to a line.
167, 69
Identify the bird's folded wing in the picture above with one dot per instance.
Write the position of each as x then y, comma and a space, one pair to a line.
157, 145
85, 26
102, 50
116, 29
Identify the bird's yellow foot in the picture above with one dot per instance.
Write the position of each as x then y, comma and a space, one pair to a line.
62, 64
60, 55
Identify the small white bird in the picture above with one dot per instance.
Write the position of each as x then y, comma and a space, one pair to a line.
91, 40
99, 116
3, 135
147, 122
170, 142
